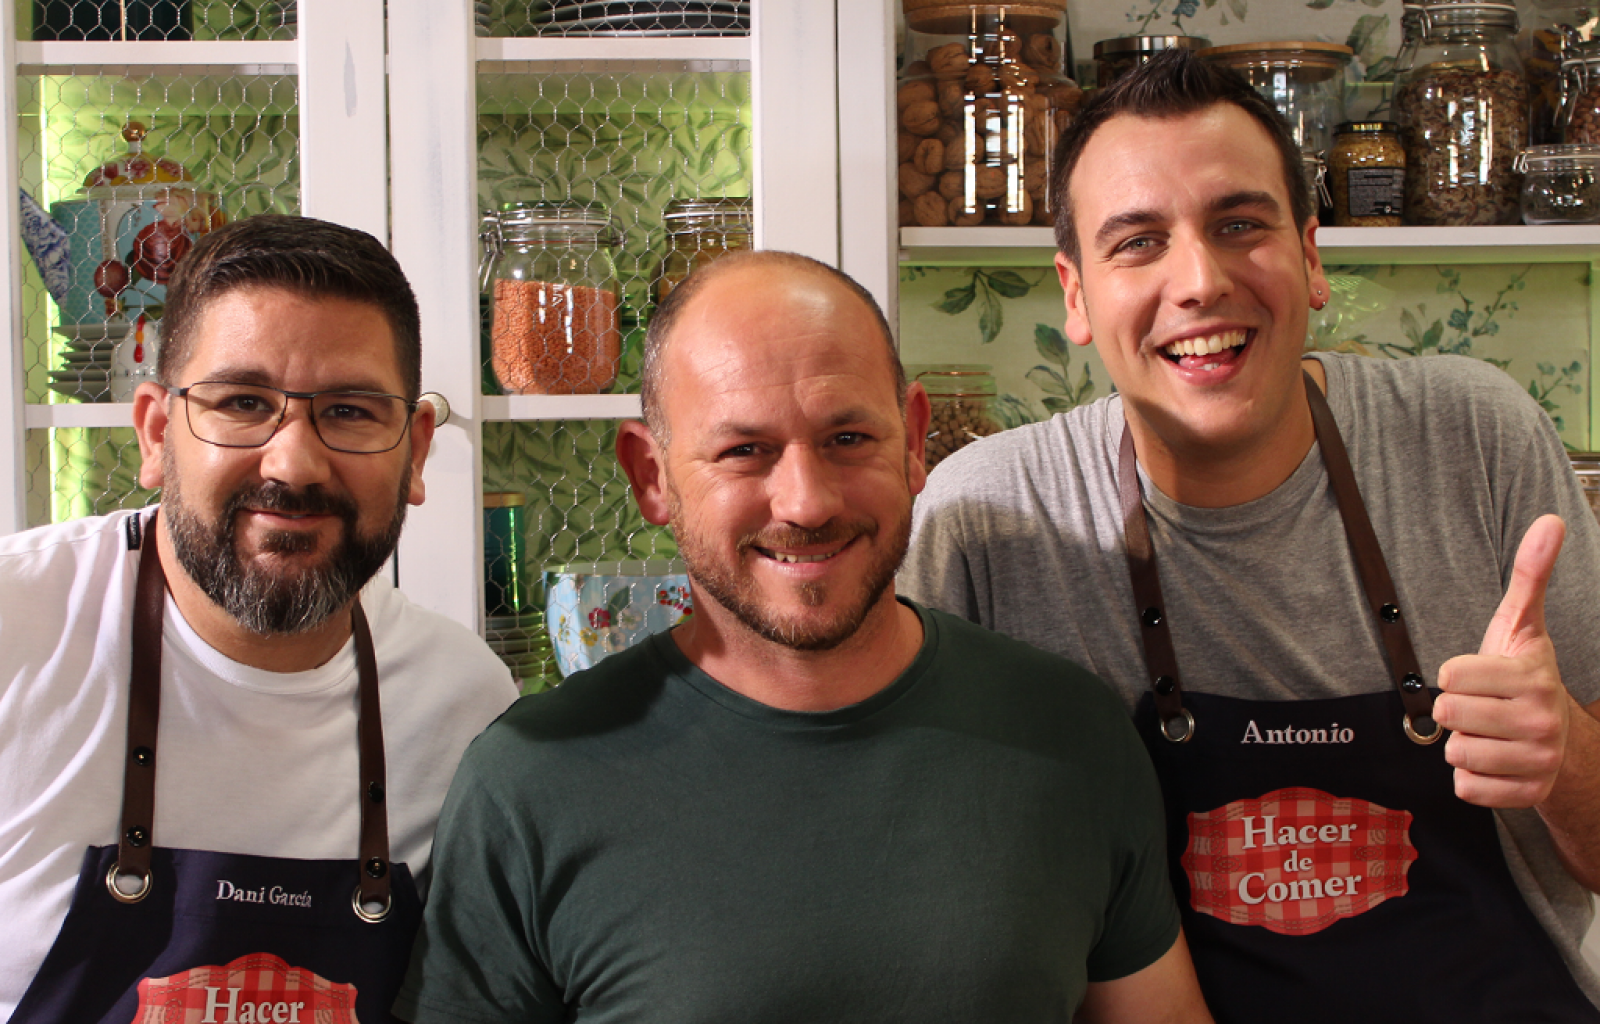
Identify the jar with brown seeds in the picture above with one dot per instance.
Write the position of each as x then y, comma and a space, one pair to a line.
1580, 87
961, 398
1463, 113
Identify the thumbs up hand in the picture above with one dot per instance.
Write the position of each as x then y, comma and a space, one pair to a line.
1505, 706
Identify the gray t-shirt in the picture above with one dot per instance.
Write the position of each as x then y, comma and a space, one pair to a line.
1022, 533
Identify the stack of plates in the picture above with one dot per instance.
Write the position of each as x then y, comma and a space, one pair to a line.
522, 643
647, 17
85, 372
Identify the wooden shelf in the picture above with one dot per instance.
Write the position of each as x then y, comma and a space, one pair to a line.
1035, 246
156, 58
521, 408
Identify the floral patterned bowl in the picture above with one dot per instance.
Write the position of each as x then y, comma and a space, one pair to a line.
599, 608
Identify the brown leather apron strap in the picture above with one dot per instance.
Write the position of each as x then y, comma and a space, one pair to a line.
1177, 724
136, 835
371, 899
1160, 661
1374, 572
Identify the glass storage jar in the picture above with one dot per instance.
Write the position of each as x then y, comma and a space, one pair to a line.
1367, 166
1114, 58
980, 105
699, 231
1463, 113
1304, 80
1410, 36
1552, 33
1315, 169
1580, 95
488, 252
1560, 184
555, 328
962, 397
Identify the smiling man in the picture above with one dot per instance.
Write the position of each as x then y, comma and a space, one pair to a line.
269, 864
812, 801
1328, 588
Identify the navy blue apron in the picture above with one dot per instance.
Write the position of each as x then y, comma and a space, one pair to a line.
1325, 869
158, 935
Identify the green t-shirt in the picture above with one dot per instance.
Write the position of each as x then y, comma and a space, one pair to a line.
973, 843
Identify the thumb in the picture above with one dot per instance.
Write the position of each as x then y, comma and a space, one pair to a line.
1520, 616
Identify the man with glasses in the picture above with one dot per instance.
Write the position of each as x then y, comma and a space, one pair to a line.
205, 804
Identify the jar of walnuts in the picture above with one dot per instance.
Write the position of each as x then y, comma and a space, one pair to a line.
980, 104
962, 397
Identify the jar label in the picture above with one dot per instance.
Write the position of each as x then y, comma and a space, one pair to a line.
1376, 191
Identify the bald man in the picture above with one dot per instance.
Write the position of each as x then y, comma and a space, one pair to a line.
812, 801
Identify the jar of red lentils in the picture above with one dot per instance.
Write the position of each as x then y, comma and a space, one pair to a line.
555, 324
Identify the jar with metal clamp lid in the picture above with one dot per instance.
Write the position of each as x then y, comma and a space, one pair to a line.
1560, 184
555, 325
698, 232
962, 397
1580, 95
1463, 114
980, 105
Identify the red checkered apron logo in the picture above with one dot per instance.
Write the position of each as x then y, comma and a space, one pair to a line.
1297, 860
255, 989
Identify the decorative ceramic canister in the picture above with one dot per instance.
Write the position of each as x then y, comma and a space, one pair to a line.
133, 359
140, 215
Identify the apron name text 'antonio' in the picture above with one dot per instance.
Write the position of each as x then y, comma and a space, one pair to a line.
1289, 734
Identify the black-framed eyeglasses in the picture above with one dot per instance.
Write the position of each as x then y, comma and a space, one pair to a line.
232, 415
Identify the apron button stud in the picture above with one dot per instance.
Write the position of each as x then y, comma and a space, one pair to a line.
1165, 685
1152, 617
376, 868
1389, 613
137, 836
1411, 683
144, 757
375, 792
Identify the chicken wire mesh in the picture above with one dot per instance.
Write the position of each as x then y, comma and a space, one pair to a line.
125, 172
146, 20
647, 18
627, 147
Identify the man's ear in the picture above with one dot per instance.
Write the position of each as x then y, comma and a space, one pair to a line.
645, 463
423, 423
150, 423
919, 413
1077, 326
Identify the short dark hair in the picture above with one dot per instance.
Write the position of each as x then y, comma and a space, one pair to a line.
309, 257
1176, 82
677, 300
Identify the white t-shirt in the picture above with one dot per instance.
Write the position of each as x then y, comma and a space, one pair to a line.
251, 762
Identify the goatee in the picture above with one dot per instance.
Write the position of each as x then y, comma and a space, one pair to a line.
286, 601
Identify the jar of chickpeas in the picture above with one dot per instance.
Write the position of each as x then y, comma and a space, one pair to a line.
962, 396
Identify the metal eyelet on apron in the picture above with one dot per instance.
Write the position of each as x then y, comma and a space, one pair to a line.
149, 882
369, 916
1178, 729
1420, 738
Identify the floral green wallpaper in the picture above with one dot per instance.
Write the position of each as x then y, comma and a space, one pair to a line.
1531, 320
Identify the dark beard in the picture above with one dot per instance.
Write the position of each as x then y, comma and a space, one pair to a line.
267, 603
742, 599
